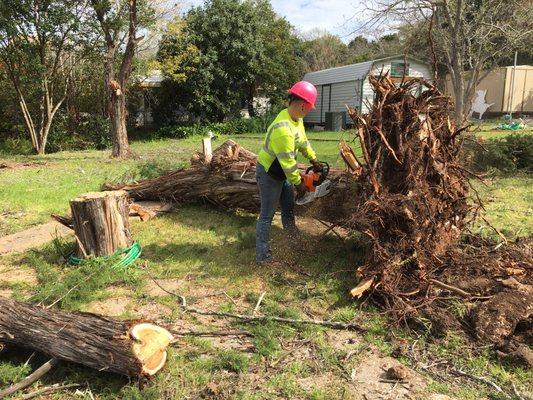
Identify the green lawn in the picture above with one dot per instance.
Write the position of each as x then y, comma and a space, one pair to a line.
206, 255
30, 194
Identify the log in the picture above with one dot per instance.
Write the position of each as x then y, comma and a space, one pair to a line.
228, 180
100, 222
129, 348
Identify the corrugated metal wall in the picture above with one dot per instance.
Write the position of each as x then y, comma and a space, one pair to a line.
339, 74
345, 93
314, 115
352, 92
341, 94
325, 104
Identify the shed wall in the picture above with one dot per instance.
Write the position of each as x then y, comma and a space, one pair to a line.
345, 93
314, 115
498, 86
523, 89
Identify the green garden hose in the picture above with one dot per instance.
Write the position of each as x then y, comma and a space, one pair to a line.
129, 255
510, 127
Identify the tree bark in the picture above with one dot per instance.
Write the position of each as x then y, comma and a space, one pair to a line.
101, 223
98, 342
251, 94
121, 147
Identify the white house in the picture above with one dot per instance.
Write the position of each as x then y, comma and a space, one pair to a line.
349, 85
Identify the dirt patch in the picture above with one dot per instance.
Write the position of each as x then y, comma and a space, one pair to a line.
151, 311
370, 379
161, 287
33, 237
343, 340
15, 165
320, 380
496, 319
6, 293
112, 307
498, 281
18, 275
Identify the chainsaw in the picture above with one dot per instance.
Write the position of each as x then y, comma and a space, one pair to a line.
316, 182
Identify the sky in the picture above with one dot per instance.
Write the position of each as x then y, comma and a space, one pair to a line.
335, 16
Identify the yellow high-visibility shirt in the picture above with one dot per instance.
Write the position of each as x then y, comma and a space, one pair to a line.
284, 138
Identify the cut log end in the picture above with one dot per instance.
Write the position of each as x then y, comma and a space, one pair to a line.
150, 346
99, 195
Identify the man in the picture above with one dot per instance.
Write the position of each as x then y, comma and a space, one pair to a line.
277, 171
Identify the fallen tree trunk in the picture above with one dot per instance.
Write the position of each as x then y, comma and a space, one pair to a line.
125, 347
100, 222
228, 180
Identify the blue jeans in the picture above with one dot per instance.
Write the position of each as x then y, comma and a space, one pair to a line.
272, 192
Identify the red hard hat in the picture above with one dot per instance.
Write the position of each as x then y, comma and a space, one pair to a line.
305, 91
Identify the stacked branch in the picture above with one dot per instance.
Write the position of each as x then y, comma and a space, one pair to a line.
227, 179
413, 204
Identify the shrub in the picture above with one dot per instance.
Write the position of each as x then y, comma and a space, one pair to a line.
16, 146
95, 130
92, 132
180, 132
506, 155
232, 127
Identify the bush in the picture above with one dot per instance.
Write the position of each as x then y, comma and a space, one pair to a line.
509, 154
91, 133
16, 146
233, 127
181, 132
96, 131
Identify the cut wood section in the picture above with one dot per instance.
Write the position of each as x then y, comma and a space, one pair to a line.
228, 181
362, 287
349, 157
101, 223
105, 344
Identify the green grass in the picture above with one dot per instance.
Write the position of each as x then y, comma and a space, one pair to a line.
29, 195
209, 251
509, 205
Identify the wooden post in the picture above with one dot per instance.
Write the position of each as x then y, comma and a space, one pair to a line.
208, 154
129, 348
101, 223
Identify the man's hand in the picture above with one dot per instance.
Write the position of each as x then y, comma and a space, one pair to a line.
300, 189
317, 165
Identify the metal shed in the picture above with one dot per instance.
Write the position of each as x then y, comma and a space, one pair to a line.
349, 84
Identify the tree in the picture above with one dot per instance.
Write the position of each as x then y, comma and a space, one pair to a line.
39, 41
227, 52
468, 37
119, 22
324, 50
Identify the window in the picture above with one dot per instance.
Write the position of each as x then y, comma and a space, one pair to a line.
399, 69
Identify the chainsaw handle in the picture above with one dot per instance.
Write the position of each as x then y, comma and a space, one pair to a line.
325, 168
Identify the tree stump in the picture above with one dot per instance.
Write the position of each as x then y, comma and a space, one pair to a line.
129, 348
101, 223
